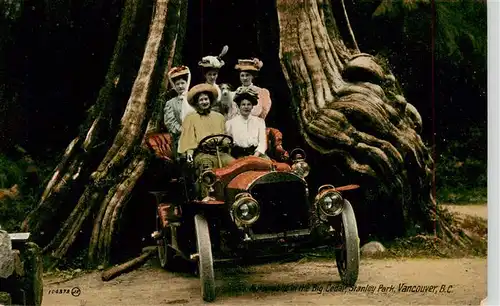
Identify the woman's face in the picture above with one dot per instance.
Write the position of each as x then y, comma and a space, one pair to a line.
211, 76
246, 78
203, 101
245, 107
180, 86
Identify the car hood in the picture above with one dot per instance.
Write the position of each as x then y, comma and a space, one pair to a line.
247, 180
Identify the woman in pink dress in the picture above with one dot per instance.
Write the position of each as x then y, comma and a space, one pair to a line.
249, 69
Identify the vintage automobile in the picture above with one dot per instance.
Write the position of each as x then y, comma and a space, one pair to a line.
254, 202
21, 270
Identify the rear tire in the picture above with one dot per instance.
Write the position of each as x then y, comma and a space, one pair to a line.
347, 257
205, 259
165, 253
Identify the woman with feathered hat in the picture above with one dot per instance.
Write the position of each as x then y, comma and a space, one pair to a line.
177, 108
248, 70
210, 67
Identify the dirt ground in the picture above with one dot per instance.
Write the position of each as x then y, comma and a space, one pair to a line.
457, 282
473, 210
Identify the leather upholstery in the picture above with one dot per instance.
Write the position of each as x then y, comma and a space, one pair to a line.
275, 148
160, 144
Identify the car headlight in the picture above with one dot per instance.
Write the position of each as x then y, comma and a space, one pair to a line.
208, 178
330, 203
245, 209
301, 168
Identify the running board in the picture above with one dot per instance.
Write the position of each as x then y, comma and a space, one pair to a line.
292, 235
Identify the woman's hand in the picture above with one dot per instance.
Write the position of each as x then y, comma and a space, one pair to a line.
189, 156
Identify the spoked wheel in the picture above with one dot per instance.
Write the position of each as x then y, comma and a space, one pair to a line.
165, 253
347, 256
205, 260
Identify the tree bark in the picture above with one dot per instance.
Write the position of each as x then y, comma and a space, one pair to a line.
362, 123
71, 175
104, 192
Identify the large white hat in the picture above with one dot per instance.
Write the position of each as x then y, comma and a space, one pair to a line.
214, 62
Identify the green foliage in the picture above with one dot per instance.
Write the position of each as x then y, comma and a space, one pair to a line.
461, 168
460, 25
11, 9
458, 30
393, 9
12, 172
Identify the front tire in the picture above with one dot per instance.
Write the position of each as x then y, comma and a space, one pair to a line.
205, 259
347, 257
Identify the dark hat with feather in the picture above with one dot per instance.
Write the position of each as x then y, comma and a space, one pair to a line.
246, 93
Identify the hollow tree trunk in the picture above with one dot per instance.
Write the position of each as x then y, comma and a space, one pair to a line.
350, 110
105, 186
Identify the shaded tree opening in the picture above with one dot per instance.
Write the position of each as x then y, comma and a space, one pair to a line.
258, 20
383, 153
250, 29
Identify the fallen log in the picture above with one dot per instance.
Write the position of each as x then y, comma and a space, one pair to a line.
128, 266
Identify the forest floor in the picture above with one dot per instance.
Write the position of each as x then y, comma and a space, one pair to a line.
457, 281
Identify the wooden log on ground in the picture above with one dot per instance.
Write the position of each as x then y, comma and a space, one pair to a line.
126, 267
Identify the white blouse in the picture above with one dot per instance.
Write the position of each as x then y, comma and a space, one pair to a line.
248, 132
186, 108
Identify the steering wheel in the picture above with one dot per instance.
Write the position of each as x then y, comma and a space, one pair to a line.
209, 144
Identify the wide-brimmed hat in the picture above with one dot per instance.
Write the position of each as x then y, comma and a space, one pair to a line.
178, 71
246, 93
213, 62
200, 88
253, 64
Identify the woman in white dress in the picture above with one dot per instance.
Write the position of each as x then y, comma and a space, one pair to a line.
248, 131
